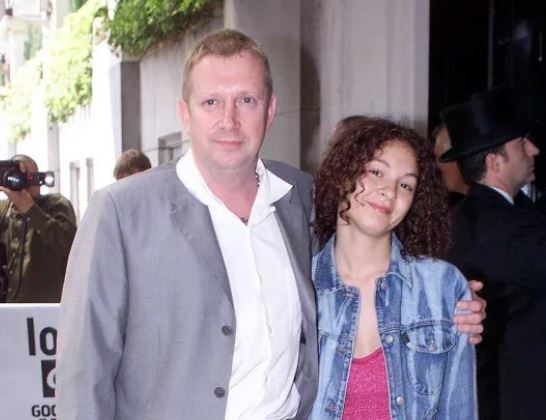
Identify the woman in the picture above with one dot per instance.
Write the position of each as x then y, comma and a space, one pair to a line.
388, 346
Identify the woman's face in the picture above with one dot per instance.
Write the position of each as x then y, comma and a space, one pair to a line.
385, 191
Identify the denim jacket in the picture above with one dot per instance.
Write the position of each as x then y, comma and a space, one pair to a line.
430, 367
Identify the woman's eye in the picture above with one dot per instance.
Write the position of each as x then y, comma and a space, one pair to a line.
374, 172
406, 187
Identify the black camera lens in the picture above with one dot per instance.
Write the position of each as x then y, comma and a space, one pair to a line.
12, 177
14, 180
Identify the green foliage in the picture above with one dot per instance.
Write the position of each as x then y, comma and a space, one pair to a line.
74, 5
18, 102
64, 71
67, 69
34, 43
139, 25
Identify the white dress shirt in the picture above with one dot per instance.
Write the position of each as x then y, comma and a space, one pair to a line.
265, 297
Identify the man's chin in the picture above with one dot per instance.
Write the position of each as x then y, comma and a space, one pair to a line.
530, 178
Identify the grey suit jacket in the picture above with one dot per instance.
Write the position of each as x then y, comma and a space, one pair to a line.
146, 303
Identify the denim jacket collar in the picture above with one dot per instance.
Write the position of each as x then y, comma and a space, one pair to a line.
326, 275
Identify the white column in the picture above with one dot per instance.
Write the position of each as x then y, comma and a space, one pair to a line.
275, 25
364, 56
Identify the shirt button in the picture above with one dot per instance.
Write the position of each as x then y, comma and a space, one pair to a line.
227, 330
389, 339
399, 400
384, 285
219, 392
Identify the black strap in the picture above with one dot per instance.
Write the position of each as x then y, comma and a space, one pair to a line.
19, 254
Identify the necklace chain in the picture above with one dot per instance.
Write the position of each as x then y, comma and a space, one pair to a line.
245, 219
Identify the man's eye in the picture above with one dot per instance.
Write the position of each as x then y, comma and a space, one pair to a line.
210, 102
247, 100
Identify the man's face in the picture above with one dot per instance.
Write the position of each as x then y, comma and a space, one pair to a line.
518, 167
228, 112
451, 174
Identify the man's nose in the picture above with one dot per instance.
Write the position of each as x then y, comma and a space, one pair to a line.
532, 149
229, 119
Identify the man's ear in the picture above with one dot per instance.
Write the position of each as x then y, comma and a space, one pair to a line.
271, 108
492, 162
183, 111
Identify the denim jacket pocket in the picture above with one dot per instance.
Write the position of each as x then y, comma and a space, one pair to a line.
426, 348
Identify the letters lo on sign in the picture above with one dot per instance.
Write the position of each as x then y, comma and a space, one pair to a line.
27, 361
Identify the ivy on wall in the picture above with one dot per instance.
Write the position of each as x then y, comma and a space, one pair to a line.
18, 101
68, 67
65, 69
139, 25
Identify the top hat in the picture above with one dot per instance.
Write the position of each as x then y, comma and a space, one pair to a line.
489, 119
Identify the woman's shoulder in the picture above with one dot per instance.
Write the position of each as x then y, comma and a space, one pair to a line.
430, 272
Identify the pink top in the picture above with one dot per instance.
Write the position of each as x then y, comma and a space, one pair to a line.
367, 391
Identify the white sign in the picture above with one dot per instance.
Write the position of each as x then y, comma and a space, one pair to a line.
28, 344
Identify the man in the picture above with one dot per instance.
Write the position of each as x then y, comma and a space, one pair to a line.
500, 239
451, 174
131, 162
36, 232
193, 298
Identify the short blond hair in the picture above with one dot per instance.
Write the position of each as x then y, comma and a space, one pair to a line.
225, 43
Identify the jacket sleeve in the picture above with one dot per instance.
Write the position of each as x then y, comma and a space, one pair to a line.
527, 255
510, 251
54, 224
458, 399
93, 316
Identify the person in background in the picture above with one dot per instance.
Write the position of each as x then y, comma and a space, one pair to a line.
451, 175
36, 232
388, 346
499, 238
131, 162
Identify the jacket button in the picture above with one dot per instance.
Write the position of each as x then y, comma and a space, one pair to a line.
384, 285
219, 392
389, 339
399, 400
226, 330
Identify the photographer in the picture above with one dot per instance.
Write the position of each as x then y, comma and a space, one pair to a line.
36, 232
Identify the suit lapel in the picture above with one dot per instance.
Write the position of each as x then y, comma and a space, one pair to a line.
295, 231
192, 219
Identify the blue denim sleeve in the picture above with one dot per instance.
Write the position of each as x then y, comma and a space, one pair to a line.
459, 398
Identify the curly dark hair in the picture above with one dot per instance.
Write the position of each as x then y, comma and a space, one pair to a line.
425, 231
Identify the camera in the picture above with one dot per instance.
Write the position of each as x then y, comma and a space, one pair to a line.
11, 176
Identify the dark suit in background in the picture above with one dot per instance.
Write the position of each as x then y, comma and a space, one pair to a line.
505, 245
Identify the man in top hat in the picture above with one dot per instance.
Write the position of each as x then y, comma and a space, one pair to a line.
500, 239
